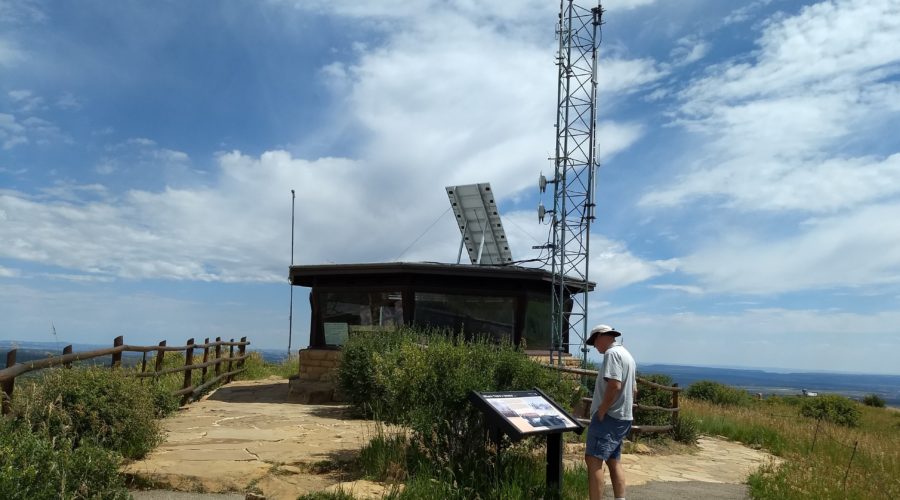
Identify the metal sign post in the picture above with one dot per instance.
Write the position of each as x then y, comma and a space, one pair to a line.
554, 464
520, 414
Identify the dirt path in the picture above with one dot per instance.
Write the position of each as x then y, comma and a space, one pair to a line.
250, 436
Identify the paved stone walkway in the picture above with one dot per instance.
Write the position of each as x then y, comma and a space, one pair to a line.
718, 469
717, 461
250, 436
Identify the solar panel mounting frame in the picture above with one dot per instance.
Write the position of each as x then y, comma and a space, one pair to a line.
479, 223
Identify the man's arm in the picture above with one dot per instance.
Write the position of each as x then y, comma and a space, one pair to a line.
613, 389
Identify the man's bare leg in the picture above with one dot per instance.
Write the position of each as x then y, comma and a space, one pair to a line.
616, 477
595, 477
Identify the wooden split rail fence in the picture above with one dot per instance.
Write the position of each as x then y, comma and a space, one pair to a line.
636, 429
232, 364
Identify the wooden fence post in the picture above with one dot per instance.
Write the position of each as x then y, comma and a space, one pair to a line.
230, 360
218, 356
67, 350
241, 351
188, 360
8, 385
205, 359
675, 405
117, 356
11, 357
815, 436
159, 358
852, 455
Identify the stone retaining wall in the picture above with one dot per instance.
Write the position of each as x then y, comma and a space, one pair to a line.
317, 380
319, 365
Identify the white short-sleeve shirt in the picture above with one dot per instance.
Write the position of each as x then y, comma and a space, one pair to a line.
617, 365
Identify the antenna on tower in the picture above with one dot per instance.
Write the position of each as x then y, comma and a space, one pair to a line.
573, 177
291, 310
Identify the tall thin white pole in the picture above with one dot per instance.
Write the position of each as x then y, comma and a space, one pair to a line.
291, 313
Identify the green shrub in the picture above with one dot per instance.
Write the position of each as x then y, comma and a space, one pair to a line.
169, 382
652, 396
832, 408
35, 465
357, 374
873, 400
164, 403
423, 381
686, 429
717, 393
94, 405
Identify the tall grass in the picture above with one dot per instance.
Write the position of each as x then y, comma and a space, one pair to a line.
256, 368
36, 465
520, 473
816, 454
327, 495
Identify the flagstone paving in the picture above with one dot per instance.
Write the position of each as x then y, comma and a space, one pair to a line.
715, 461
253, 436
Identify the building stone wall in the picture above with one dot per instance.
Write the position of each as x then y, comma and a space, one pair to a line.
319, 365
317, 381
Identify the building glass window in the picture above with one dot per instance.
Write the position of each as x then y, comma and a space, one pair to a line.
536, 334
470, 314
346, 313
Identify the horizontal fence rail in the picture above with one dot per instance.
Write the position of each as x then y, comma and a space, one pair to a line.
636, 429
233, 364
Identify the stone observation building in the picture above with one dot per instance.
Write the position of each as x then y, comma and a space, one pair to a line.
507, 303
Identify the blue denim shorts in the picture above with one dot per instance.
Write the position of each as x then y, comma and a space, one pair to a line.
604, 438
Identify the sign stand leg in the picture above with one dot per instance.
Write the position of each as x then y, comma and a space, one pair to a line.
497, 439
554, 465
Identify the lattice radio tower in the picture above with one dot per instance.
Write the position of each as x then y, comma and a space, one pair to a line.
574, 167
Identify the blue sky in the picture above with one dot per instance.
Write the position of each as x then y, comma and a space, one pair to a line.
748, 202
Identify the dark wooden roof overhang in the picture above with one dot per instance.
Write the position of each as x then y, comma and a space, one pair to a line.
416, 273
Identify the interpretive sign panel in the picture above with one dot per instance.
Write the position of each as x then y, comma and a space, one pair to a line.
520, 414
526, 413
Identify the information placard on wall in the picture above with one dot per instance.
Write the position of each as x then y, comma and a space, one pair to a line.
336, 333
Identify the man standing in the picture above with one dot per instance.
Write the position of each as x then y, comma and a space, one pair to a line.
611, 411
